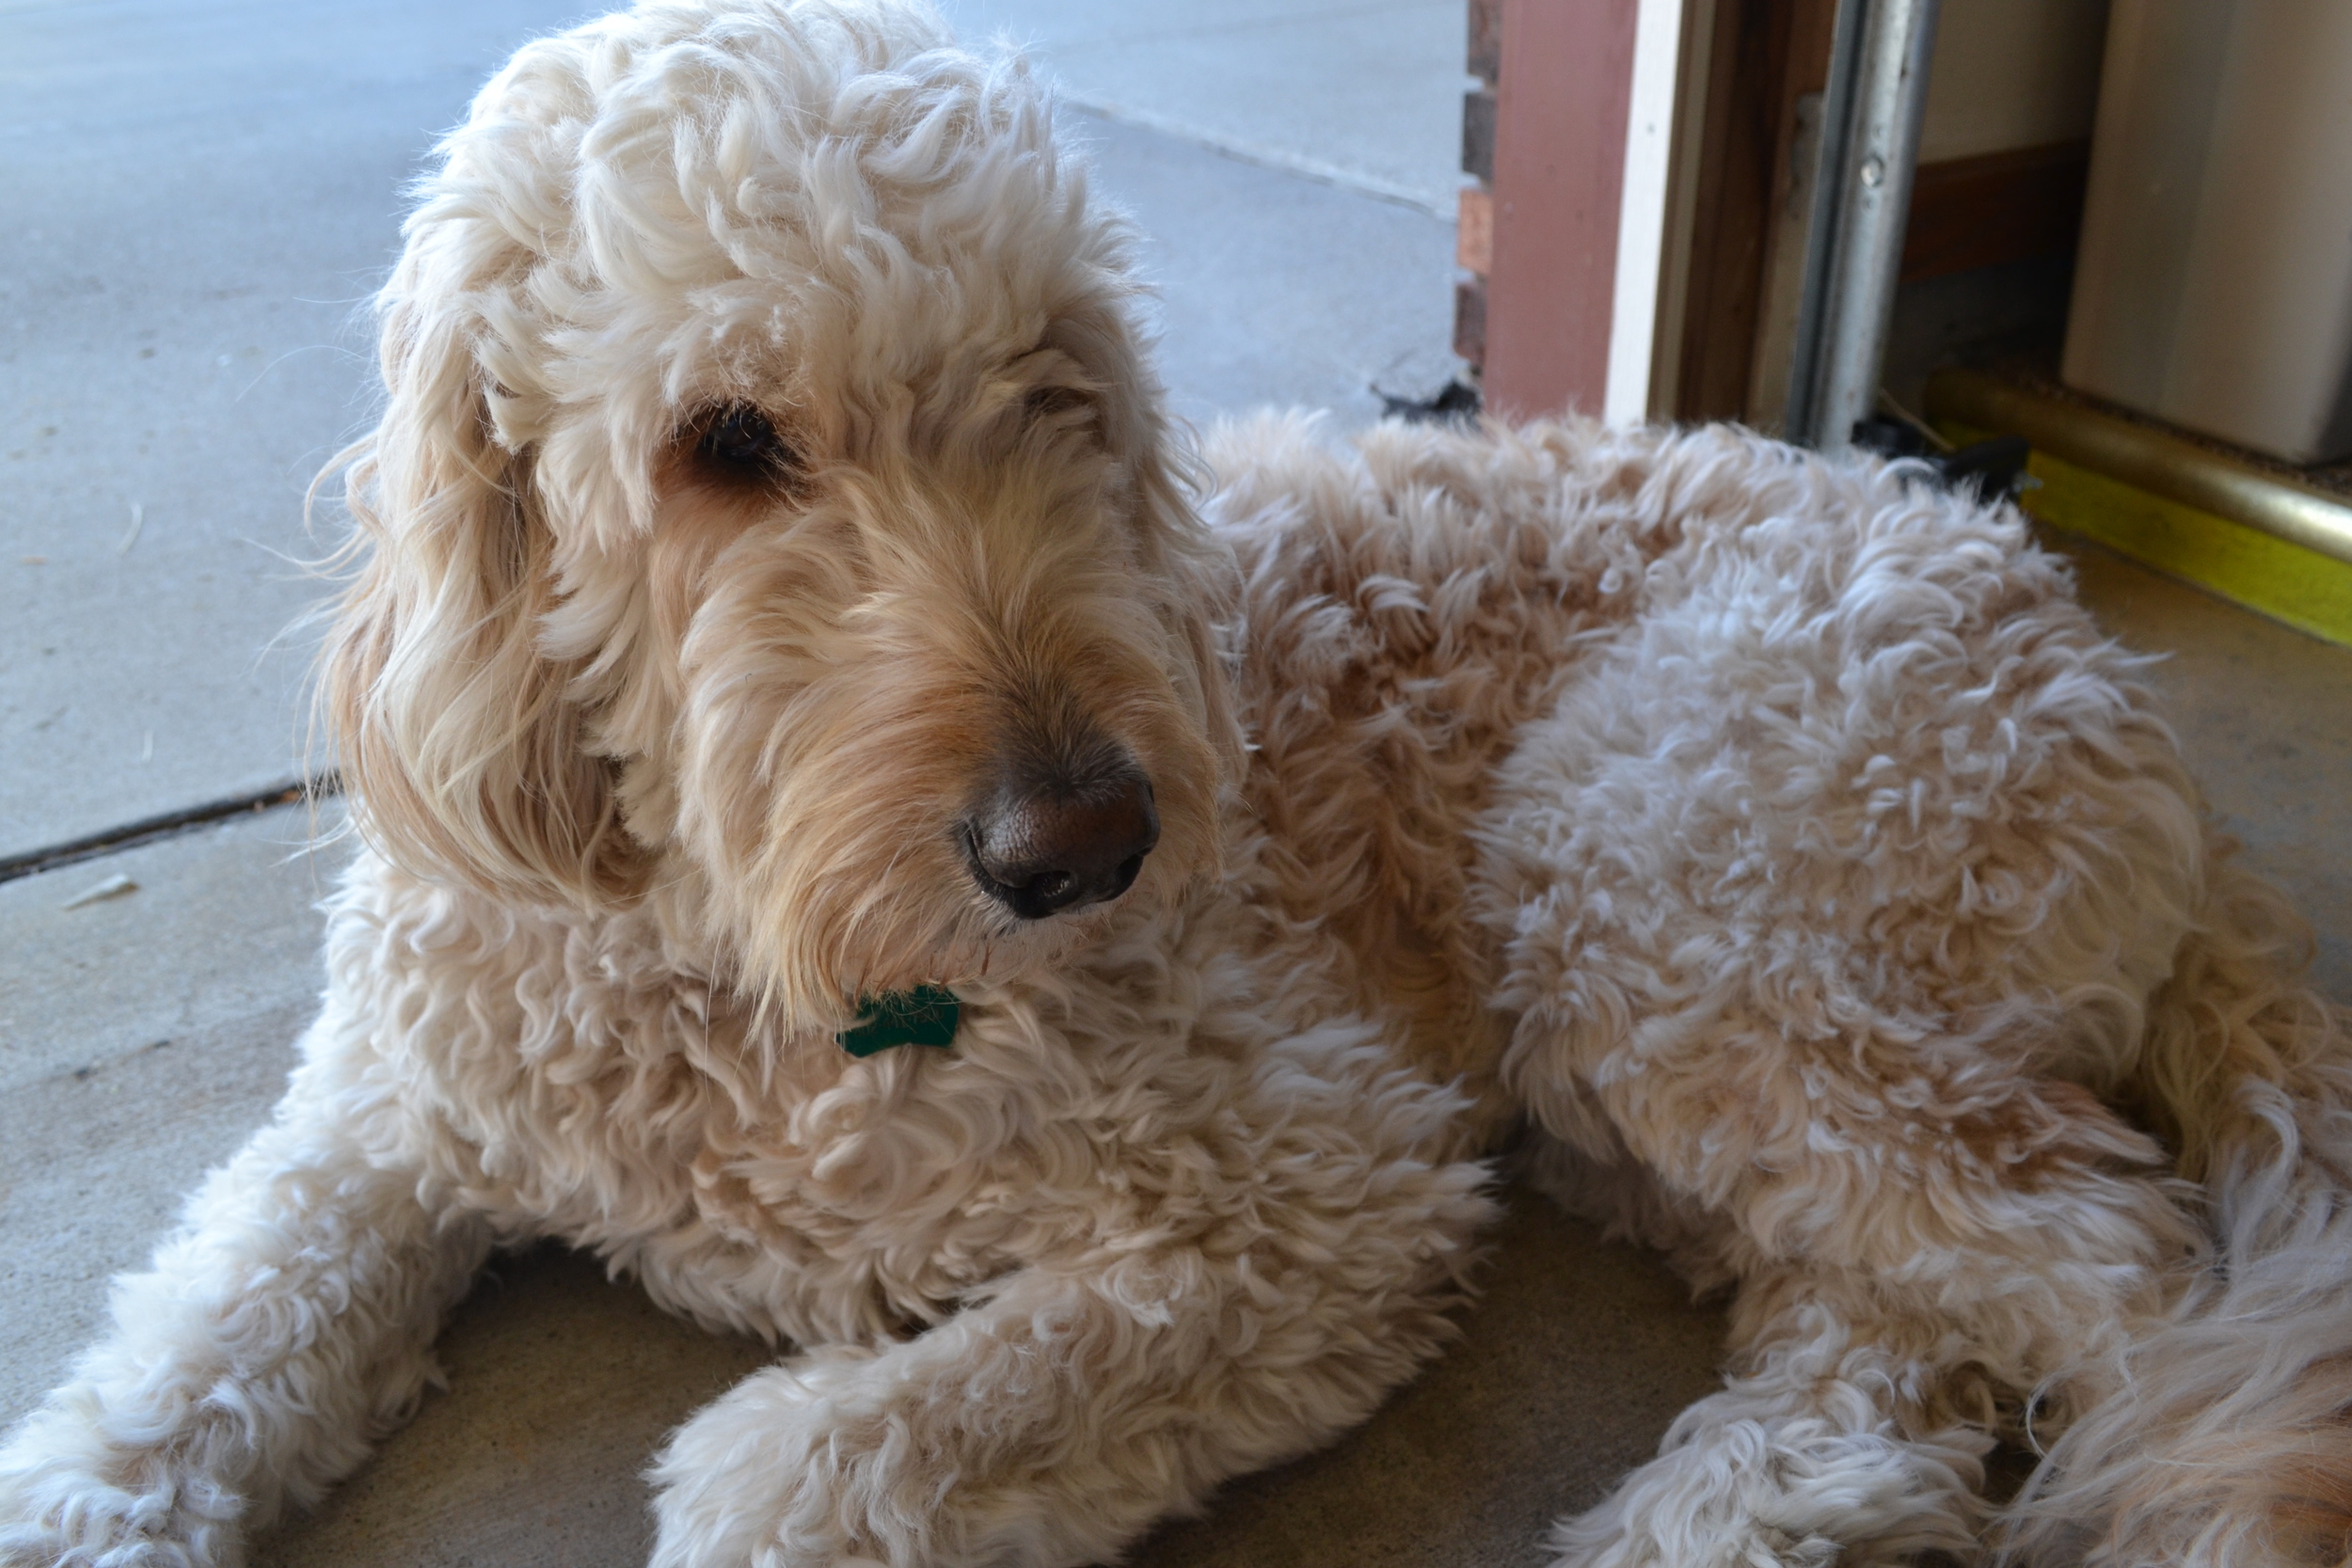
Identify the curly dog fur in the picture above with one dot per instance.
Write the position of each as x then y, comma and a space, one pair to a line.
774, 518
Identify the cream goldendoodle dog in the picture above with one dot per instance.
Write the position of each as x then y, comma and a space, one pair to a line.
788, 628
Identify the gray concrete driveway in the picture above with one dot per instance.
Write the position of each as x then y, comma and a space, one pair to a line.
199, 198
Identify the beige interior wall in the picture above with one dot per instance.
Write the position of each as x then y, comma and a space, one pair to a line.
2012, 74
2215, 287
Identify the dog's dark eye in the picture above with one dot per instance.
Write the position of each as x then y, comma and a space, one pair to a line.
1050, 403
741, 443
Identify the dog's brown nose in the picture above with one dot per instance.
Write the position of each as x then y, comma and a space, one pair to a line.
1060, 847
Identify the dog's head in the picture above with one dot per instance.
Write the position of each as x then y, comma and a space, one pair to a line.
774, 509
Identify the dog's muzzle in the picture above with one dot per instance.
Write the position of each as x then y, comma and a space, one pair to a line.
1058, 845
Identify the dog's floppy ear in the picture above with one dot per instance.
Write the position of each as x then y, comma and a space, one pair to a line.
453, 729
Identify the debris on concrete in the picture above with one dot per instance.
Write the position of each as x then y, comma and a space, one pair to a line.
112, 887
1455, 403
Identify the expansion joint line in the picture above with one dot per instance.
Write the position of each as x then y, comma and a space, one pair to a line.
148, 829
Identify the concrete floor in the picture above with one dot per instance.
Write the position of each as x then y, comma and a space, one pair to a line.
194, 182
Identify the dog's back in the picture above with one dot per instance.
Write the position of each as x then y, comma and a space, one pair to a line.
1570, 743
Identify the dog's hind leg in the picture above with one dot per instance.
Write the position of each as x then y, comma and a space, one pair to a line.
1923, 1233
1846, 1431
287, 1324
1832, 896
1840, 1436
1899, 1296
1921, 1237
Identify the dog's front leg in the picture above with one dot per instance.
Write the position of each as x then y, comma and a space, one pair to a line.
285, 1326
1051, 1424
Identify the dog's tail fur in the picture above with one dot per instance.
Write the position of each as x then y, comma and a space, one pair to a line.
2224, 1435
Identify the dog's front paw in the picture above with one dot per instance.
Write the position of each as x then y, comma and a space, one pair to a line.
1790, 1493
810, 1465
69, 1499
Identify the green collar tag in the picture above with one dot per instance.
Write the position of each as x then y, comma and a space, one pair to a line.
924, 1015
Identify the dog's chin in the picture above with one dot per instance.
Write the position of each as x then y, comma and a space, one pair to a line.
1001, 948
982, 947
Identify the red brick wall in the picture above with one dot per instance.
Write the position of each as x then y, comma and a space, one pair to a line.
1542, 309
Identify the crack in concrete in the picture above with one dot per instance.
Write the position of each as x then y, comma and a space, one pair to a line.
148, 829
